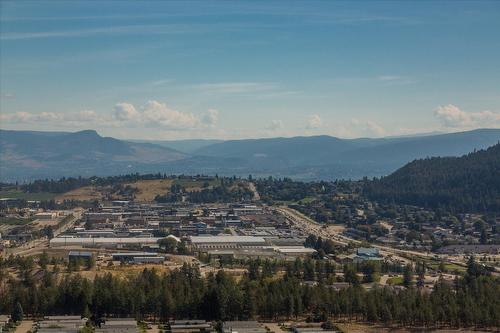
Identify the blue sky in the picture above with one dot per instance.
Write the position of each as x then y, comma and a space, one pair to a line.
175, 70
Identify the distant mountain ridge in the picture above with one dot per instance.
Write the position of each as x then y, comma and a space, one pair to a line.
187, 146
26, 155
470, 183
29, 154
325, 157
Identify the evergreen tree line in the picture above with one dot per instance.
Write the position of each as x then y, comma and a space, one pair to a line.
227, 190
66, 184
470, 183
471, 301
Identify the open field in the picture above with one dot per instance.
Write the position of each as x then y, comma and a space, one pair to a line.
86, 193
149, 189
397, 280
15, 194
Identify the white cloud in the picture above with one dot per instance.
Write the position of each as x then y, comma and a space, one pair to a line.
210, 118
452, 116
125, 111
85, 116
275, 125
156, 113
314, 122
356, 128
374, 129
160, 115
153, 114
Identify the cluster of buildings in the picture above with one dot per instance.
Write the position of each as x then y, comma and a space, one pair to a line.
21, 225
219, 230
247, 246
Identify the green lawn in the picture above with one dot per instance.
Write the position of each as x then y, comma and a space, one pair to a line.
16, 194
449, 267
395, 281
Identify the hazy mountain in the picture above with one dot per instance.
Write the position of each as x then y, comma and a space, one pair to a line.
329, 157
186, 146
26, 154
467, 183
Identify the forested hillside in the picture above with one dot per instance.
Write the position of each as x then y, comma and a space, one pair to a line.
470, 183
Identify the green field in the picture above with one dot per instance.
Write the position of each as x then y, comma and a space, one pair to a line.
14, 221
449, 267
16, 194
397, 280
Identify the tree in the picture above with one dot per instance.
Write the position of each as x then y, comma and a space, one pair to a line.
44, 260
408, 276
350, 275
168, 244
17, 313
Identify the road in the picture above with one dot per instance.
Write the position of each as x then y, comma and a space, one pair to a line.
256, 195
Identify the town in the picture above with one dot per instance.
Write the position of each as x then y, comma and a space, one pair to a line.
361, 242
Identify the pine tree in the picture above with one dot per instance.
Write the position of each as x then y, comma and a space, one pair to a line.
17, 313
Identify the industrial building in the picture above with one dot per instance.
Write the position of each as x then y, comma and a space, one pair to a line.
226, 242
190, 326
129, 256
118, 325
61, 324
105, 242
243, 327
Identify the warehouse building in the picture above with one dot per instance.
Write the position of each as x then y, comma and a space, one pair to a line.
129, 256
249, 326
202, 243
106, 242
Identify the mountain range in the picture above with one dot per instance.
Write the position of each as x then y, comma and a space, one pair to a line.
27, 155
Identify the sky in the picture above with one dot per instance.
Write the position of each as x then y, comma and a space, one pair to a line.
248, 69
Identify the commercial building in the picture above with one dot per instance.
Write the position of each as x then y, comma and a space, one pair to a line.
61, 324
226, 242
46, 216
111, 242
190, 326
243, 327
80, 256
129, 256
295, 251
118, 325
